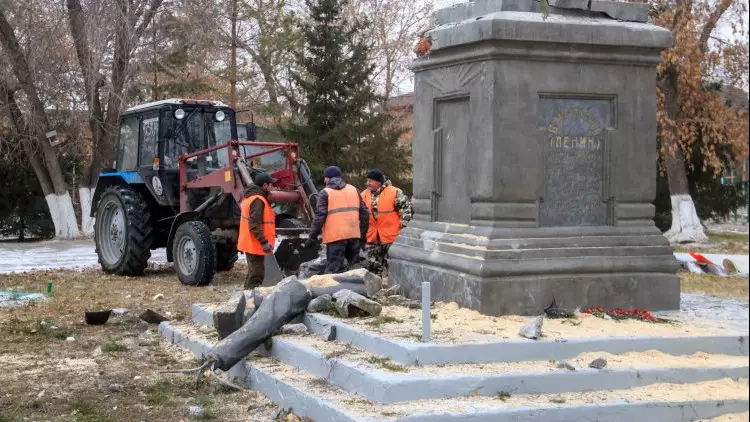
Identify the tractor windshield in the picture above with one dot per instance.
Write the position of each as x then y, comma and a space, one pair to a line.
200, 129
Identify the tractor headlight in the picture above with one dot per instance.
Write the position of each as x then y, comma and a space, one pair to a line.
158, 188
220, 116
179, 114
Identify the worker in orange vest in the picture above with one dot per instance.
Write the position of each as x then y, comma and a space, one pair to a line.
257, 228
390, 210
342, 218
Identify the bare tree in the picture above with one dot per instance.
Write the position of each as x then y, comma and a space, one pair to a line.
23, 86
104, 87
394, 27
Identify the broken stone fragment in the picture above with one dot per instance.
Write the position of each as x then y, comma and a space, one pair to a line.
311, 268
293, 329
373, 283
319, 304
565, 365
152, 317
330, 290
598, 363
227, 321
393, 290
350, 304
532, 330
330, 333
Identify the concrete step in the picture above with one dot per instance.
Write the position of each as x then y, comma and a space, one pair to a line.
413, 353
380, 380
314, 397
417, 353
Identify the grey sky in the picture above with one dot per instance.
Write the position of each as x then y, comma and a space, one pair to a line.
724, 31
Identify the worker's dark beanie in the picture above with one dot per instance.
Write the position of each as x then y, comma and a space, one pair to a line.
331, 172
376, 175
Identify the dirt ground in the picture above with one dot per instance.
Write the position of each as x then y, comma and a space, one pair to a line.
109, 372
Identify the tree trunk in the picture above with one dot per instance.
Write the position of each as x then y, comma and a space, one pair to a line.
233, 59
58, 200
686, 226
21, 228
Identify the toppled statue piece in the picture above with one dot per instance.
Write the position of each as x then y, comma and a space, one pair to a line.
287, 300
350, 304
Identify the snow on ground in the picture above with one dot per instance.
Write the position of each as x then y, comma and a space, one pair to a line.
742, 262
75, 254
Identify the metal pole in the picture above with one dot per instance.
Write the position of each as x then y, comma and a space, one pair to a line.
426, 312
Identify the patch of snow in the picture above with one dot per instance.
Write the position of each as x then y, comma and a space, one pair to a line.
742, 262
69, 254
10, 299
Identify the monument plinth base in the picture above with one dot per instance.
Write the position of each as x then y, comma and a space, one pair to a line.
521, 271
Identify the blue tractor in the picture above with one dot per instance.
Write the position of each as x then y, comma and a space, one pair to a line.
177, 182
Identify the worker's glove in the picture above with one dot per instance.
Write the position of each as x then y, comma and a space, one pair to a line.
267, 248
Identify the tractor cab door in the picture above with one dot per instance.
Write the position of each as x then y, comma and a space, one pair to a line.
126, 155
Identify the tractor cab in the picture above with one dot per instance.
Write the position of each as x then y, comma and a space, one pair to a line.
154, 135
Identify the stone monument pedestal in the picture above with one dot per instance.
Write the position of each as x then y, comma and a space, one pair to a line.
534, 158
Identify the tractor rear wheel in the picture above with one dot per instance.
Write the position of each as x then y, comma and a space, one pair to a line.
226, 256
123, 232
194, 254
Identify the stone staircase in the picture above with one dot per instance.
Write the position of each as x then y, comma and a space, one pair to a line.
363, 376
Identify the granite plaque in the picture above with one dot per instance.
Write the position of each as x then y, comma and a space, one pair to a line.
575, 150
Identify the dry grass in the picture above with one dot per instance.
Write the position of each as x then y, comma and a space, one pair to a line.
731, 287
110, 372
728, 243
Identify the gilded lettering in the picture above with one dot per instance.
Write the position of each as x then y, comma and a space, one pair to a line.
566, 142
558, 141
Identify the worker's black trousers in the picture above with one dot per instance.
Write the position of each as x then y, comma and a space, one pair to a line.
339, 253
256, 269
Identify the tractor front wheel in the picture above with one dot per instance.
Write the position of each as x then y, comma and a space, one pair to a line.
123, 232
194, 254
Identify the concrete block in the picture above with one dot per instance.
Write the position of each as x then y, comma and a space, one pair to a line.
625, 11
201, 314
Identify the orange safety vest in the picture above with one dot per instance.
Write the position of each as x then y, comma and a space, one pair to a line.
342, 221
247, 242
388, 225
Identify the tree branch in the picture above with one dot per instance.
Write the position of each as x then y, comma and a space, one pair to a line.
710, 25
152, 8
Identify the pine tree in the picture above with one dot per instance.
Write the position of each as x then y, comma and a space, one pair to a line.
341, 123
